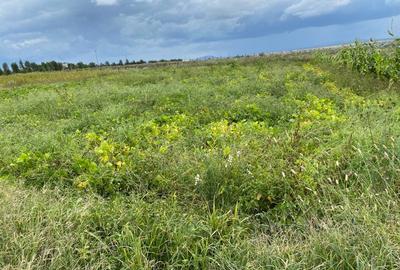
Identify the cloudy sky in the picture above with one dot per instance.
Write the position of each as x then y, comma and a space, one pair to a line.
73, 30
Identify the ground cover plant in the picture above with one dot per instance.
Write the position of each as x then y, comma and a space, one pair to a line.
275, 162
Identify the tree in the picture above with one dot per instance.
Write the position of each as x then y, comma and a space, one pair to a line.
1, 72
51, 66
44, 67
6, 69
54, 66
28, 67
21, 66
80, 65
34, 67
14, 67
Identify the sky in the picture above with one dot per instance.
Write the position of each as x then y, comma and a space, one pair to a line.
80, 30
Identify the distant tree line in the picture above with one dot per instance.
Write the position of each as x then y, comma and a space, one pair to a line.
27, 66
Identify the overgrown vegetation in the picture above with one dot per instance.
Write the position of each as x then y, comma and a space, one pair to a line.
258, 163
377, 58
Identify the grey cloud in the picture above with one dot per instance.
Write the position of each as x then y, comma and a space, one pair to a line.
75, 28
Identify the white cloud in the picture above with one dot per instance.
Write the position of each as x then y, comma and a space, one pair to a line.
312, 8
105, 2
19, 42
29, 43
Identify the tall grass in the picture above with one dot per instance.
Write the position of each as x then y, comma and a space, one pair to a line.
265, 163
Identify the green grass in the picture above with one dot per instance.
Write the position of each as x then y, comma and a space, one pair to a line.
258, 163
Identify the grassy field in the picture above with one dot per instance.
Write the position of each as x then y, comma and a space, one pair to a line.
256, 163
